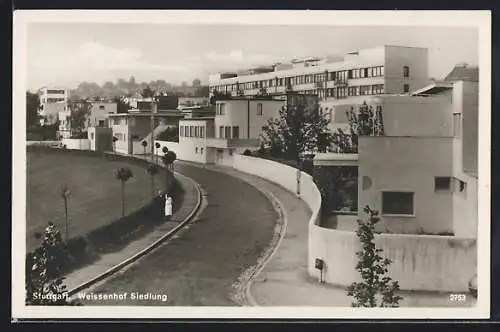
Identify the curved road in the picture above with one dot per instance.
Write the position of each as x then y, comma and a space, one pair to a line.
200, 265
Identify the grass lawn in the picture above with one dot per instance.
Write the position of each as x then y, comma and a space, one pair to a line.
95, 198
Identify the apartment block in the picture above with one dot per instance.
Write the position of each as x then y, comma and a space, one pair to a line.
367, 72
52, 101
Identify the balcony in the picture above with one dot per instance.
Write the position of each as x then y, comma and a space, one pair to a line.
222, 143
336, 159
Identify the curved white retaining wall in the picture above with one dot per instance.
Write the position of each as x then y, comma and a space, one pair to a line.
420, 262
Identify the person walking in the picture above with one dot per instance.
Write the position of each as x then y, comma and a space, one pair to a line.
159, 204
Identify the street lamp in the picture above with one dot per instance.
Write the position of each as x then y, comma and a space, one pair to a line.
65, 195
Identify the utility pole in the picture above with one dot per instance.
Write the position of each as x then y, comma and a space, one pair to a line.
152, 145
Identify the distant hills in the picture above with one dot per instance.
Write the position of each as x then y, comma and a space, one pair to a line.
131, 87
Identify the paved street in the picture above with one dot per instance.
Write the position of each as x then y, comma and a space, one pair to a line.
200, 265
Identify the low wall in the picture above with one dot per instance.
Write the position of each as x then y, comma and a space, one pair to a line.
43, 143
419, 262
76, 144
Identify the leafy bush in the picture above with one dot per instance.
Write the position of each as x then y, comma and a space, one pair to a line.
171, 134
247, 152
76, 247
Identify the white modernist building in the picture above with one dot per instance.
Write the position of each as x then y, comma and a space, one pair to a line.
52, 101
377, 71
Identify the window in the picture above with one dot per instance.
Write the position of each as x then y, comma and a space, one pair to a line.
201, 150
191, 133
196, 150
196, 131
442, 183
92, 136
364, 90
101, 123
349, 75
181, 130
398, 203
101, 107
259, 109
457, 124
236, 132
227, 132
406, 88
378, 89
202, 132
221, 109
230, 152
406, 71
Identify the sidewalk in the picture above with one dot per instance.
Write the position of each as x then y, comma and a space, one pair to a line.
284, 281
107, 261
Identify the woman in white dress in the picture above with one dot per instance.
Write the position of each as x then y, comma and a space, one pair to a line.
168, 207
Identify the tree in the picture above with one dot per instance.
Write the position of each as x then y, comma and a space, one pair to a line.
121, 105
169, 158
147, 92
170, 134
32, 104
152, 170
196, 83
376, 288
216, 95
297, 129
65, 195
79, 113
43, 281
123, 174
364, 121
144, 145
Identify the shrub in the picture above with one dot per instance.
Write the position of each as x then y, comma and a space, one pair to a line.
377, 289
247, 152
76, 247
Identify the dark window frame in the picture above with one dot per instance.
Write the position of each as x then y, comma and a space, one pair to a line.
394, 205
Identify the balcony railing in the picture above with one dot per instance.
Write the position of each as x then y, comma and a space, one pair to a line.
232, 142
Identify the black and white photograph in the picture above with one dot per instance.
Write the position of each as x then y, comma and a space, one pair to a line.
251, 164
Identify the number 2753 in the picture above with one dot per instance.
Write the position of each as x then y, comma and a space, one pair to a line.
458, 297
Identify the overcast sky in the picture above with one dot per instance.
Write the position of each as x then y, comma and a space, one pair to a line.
65, 54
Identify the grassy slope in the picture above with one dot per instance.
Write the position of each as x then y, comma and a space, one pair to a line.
95, 192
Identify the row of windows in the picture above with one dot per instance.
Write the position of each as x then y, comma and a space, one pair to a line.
196, 150
55, 92
306, 79
226, 132
54, 100
192, 131
362, 90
